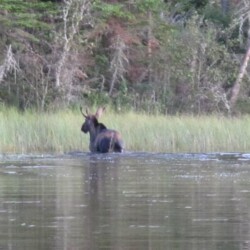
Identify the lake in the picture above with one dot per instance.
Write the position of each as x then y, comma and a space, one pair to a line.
125, 201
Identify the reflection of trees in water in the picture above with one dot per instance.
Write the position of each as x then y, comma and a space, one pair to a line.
104, 202
119, 203
207, 209
69, 218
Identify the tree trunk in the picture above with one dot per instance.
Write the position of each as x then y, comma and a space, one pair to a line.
244, 17
236, 87
149, 47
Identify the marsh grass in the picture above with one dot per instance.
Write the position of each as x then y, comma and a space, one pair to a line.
187, 134
31, 132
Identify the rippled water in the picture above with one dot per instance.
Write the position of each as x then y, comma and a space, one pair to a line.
129, 201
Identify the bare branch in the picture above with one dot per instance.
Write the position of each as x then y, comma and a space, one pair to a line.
73, 13
9, 64
118, 63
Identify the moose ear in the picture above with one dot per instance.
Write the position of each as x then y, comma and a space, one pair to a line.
99, 112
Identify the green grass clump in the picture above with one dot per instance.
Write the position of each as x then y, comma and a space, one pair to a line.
185, 134
33, 132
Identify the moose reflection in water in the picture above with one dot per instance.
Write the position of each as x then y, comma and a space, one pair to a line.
102, 140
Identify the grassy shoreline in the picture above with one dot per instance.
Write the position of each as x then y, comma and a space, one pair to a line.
59, 132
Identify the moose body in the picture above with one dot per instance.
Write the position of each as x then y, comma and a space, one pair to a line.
102, 140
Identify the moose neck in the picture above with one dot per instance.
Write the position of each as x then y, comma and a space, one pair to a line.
92, 134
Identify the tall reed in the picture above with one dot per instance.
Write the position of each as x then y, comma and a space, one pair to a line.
185, 133
46, 132
32, 132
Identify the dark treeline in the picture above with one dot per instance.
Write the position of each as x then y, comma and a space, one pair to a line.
157, 56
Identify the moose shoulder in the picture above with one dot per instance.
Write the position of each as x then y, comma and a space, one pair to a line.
102, 140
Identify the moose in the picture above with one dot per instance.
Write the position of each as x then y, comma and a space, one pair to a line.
102, 139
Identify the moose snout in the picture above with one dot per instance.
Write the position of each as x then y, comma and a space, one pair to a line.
84, 129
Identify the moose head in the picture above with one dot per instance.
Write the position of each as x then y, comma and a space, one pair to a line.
102, 140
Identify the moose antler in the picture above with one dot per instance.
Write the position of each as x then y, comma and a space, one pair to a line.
83, 113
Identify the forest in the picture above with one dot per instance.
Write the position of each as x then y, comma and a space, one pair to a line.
152, 56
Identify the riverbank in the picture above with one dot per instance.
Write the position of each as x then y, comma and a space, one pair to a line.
59, 132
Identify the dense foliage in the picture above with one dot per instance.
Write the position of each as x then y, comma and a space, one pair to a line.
152, 55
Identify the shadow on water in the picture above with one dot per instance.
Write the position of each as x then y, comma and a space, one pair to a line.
125, 201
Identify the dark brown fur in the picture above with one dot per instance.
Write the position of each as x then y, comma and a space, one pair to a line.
102, 140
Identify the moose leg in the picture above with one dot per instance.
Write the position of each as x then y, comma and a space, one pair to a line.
118, 147
104, 145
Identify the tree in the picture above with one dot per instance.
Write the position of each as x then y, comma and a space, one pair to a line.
9, 64
243, 16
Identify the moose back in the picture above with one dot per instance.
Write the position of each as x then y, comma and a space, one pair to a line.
102, 140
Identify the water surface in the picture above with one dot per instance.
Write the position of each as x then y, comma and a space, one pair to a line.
125, 201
